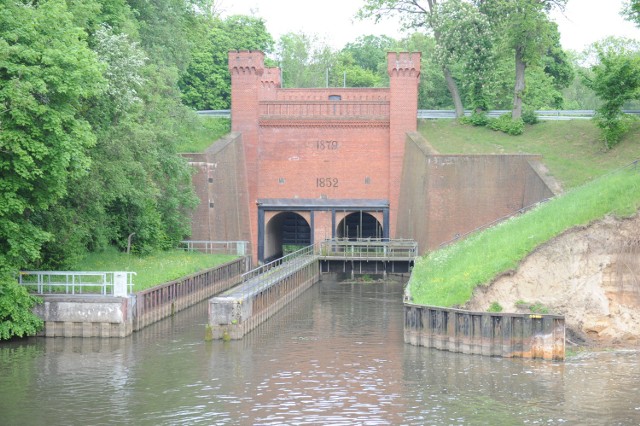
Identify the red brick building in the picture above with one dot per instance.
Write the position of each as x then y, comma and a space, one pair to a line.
303, 165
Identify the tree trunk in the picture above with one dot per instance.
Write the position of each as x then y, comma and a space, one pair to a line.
520, 84
453, 90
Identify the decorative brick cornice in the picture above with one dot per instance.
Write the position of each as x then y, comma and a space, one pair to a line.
370, 122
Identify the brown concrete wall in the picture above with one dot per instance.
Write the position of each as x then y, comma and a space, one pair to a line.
221, 184
444, 196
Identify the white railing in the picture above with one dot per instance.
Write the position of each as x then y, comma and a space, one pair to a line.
239, 248
118, 283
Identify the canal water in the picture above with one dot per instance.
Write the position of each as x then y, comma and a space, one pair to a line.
334, 356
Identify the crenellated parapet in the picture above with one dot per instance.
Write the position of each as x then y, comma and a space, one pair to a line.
271, 78
403, 64
246, 62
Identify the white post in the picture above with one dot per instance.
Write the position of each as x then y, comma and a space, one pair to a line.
120, 284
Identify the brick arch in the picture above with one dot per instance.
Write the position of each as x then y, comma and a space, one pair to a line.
283, 232
359, 225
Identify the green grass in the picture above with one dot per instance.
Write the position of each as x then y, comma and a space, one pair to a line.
202, 132
572, 149
154, 269
447, 277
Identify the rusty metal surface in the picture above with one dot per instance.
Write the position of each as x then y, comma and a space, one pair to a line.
508, 335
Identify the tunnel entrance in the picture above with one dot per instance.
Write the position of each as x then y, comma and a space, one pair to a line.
286, 232
359, 225
286, 224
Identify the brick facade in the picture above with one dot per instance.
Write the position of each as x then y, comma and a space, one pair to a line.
303, 165
333, 151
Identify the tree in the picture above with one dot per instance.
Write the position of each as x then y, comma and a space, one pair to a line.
615, 79
415, 14
466, 39
47, 71
206, 83
304, 60
631, 11
527, 32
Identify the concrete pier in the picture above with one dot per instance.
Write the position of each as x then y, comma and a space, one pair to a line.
239, 310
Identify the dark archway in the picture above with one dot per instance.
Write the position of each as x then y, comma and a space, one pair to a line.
359, 225
286, 232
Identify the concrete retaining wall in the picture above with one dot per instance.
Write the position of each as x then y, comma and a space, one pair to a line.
485, 333
85, 316
445, 196
108, 316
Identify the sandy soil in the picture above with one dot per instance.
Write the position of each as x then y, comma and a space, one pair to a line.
591, 275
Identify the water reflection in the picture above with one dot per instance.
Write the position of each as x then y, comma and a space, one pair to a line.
334, 356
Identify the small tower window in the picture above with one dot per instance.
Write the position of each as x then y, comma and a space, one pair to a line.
335, 97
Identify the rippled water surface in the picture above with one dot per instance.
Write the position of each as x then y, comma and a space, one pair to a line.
333, 356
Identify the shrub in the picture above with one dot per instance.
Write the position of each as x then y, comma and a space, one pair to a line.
506, 124
495, 307
479, 119
529, 116
16, 316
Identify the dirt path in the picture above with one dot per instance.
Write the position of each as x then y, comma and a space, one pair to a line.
591, 275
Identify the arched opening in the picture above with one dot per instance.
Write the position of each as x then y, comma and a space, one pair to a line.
359, 225
286, 232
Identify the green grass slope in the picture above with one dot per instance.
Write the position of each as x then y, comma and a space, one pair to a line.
572, 150
157, 268
447, 277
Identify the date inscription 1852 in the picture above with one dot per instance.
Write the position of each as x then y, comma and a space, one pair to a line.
327, 182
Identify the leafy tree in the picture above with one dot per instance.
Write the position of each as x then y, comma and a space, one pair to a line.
615, 79
631, 11
465, 38
527, 32
304, 60
47, 71
432, 91
206, 83
369, 52
16, 317
416, 14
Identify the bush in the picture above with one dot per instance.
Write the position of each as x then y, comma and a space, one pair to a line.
16, 316
613, 128
529, 116
479, 119
507, 125
495, 307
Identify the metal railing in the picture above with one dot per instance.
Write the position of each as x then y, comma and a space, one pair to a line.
579, 114
369, 249
77, 282
240, 248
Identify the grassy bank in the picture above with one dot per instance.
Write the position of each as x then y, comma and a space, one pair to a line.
572, 149
448, 276
154, 269
203, 132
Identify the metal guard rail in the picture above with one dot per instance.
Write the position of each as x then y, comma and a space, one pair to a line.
239, 248
74, 282
369, 249
438, 113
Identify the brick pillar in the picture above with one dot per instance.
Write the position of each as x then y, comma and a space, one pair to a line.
404, 77
247, 68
